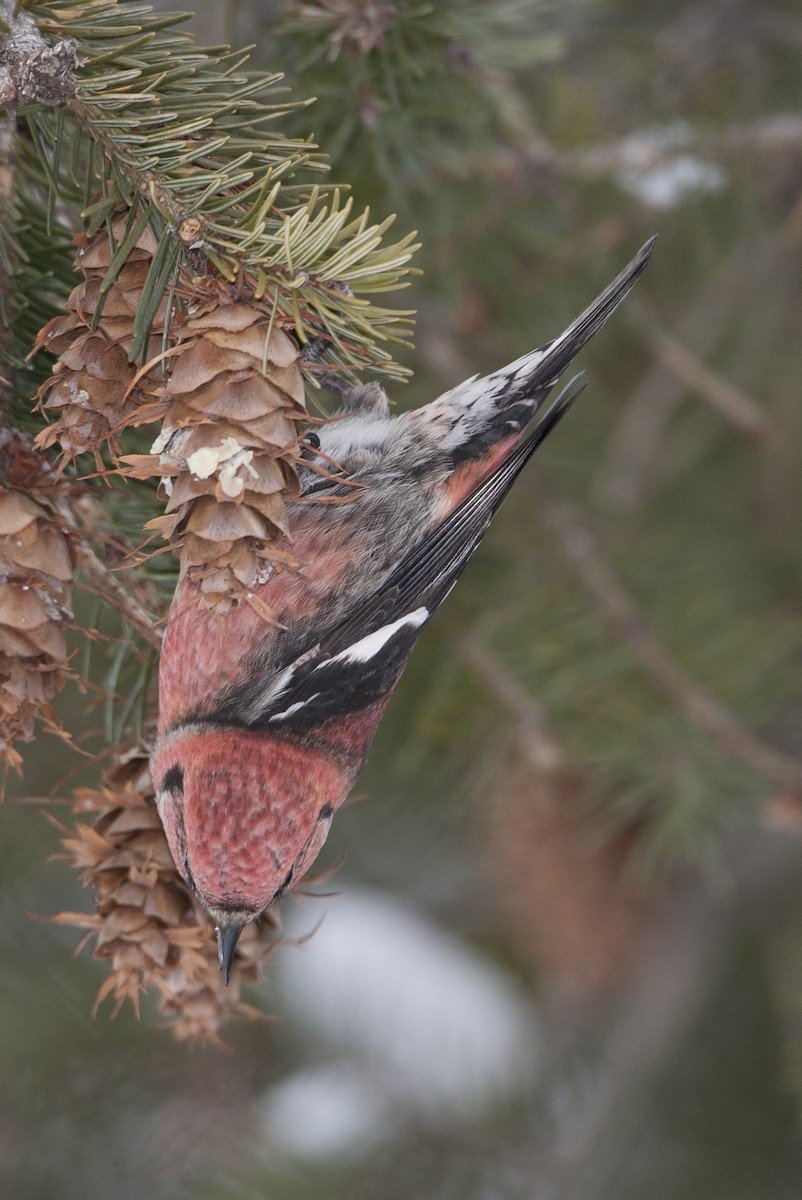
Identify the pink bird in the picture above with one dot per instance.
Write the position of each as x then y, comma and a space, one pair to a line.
263, 728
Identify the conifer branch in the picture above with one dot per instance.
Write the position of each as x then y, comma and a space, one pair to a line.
724, 397
184, 137
105, 582
704, 710
636, 446
31, 70
536, 739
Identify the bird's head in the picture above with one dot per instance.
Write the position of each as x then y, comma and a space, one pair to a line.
244, 821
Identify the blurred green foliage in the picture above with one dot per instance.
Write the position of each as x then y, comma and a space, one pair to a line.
524, 144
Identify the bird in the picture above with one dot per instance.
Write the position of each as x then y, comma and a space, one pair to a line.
264, 725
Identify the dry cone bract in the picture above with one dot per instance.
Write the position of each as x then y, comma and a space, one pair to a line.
148, 924
35, 574
91, 390
228, 446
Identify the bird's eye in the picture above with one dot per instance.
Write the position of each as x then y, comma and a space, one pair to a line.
309, 445
173, 780
326, 813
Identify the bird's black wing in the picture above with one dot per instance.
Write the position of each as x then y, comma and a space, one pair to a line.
358, 661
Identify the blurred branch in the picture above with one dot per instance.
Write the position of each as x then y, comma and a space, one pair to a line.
733, 404
635, 455
76, 514
777, 134
535, 737
641, 151
581, 549
704, 710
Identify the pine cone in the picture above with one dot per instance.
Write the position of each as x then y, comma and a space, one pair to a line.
148, 924
91, 388
228, 446
35, 573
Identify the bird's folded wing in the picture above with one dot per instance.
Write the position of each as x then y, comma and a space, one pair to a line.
359, 660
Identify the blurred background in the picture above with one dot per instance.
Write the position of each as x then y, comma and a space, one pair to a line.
563, 956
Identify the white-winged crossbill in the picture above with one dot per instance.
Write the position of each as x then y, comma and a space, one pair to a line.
263, 727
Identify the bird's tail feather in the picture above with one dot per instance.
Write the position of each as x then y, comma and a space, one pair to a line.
480, 411
541, 368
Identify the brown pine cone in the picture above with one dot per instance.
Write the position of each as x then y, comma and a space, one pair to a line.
35, 574
228, 446
148, 924
92, 390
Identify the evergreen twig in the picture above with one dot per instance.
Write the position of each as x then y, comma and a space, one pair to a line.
104, 582
637, 443
33, 71
534, 734
185, 137
704, 710
724, 397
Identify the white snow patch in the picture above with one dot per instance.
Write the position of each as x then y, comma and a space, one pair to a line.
667, 185
325, 1111
442, 1032
657, 165
227, 458
162, 441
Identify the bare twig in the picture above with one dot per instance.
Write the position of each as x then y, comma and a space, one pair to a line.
103, 580
733, 404
642, 152
110, 588
705, 711
639, 152
31, 70
637, 446
536, 739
